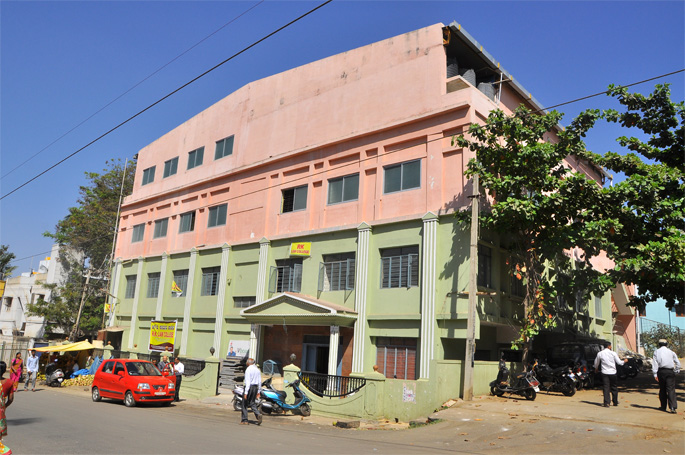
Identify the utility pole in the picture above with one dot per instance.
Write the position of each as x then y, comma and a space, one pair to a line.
473, 297
80, 308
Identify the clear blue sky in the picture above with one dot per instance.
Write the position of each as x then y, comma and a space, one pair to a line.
62, 61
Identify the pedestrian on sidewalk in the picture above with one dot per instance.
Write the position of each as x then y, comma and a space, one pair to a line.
665, 366
253, 380
606, 362
179, 369
31, 370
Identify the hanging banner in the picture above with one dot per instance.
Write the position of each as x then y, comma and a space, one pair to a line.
238, 348
162, 336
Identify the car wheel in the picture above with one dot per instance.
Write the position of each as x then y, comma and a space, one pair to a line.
128, 400
96, 394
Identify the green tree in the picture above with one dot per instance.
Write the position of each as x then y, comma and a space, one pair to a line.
85, 237
6, 259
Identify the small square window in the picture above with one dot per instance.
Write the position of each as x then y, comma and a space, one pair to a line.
170, 167
187, 223
217, 215
343, 189
195, 157
148, 175
294, 199
401, 177
138, 233
224, 147
160, 228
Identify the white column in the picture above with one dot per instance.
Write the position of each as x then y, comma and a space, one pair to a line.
429, 250
221, 296
189, 300
162, 288
254, 340
134, 310
114, 291
333, 350
360, 285
262, 278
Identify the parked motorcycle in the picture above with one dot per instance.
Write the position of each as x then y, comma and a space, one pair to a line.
525, 384
273, 401
239, 392
629, 369
559, 379
53, 375
583, 379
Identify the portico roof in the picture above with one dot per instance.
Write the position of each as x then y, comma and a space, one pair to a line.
299, 309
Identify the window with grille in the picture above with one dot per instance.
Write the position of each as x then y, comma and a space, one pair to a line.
170, 167
403, 176
217, 215
517, 288
400, 267
396, 357
336, 273
224, 147
153, 285
148, 175
195, 157
160, 228
210, 280
187, 223
286, 276
130, 286
294, 199
180, 284
484, 266
244, 302
343, 189
598, 307
138, 233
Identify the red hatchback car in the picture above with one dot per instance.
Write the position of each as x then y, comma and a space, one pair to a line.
132, 381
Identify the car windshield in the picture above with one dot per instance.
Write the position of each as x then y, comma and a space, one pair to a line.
142, 369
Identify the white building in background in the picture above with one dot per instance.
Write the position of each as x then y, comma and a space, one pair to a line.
20, 291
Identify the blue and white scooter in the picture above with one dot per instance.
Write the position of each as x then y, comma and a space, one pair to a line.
273, 401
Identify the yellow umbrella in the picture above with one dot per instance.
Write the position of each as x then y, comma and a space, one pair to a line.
80, 346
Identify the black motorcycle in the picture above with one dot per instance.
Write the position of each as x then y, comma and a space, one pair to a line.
629, 369
525, 384
559, 379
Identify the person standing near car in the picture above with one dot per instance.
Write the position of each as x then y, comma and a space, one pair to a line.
665, 366
253, 380
178, 372
607, 361
31, 370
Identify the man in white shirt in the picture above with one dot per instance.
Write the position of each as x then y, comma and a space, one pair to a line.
253, 380
607, 360
179, 369
665, 366
31, 370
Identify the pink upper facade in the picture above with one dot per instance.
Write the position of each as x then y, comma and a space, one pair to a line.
353, 113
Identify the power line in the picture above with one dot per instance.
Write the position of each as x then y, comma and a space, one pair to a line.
167, 96
391, 152
133, 87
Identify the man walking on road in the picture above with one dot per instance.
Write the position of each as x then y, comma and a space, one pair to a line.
665, 366
179, 369
253, 380
607, 360
31, 370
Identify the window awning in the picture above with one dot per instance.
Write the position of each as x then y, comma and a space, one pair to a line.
299, 309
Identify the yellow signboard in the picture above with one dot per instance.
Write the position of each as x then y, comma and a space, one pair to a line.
301, 249
2, 288
162, 335
108, 308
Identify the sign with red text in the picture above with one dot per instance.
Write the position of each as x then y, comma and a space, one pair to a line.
162, 335
301, 249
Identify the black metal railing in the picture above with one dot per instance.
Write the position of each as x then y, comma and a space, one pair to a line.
325, 385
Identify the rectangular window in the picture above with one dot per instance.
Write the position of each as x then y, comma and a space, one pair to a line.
396, 357
130, 286
8, 302
210, 280
336, 273
195, 157
160, 228
138, 233
224, 147
286, 276
343, 189
400, 267
679, 310
217, 215
180, 284
35, 298
517, 289
484, 266
244, 302
598, 307
170, 167
187, 223
148, 175
294, 199
153, 285
404, 176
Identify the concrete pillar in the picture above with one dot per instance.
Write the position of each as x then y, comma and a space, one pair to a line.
360, 284
134, 310
262, 279
114, 291
221, 296
162, 288
428, 280
189, 300
333, 350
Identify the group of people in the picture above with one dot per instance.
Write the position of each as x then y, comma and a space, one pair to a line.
175, 369
665, 366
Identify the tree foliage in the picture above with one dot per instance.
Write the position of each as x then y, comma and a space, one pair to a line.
85, 237
6, 258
